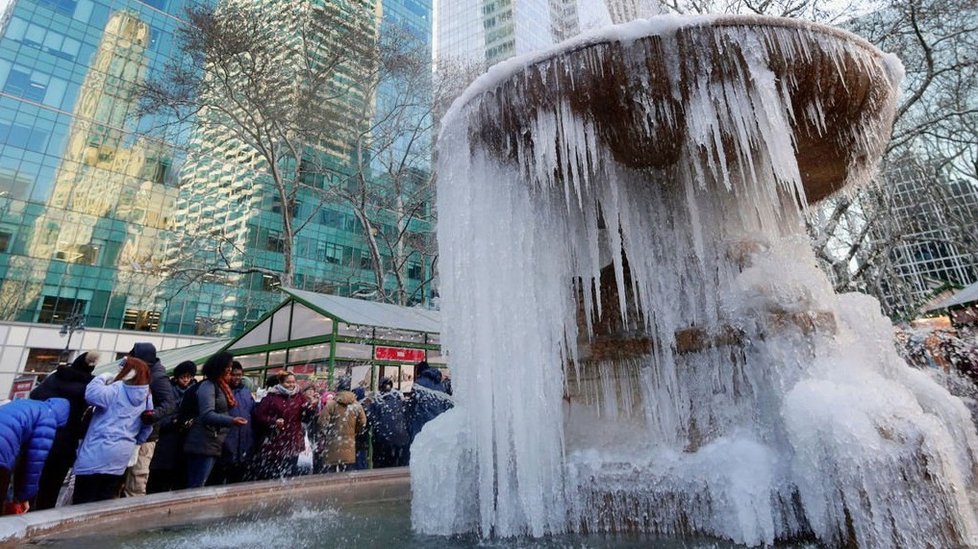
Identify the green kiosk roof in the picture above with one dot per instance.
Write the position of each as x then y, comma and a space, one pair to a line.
310, 327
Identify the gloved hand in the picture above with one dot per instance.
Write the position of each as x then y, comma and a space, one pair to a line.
107, 377
147, 417
15, 507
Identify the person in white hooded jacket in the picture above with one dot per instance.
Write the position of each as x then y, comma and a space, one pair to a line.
122, 403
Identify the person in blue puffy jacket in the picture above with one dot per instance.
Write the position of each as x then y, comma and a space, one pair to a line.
68, 382
27, 426
116, 429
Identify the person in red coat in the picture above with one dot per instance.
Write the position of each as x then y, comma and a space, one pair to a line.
279, 418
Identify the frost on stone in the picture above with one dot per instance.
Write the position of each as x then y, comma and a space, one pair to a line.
639, 334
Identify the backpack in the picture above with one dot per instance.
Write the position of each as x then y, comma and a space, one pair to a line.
189, 408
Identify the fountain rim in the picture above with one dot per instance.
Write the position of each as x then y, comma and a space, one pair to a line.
84, 519
503, 71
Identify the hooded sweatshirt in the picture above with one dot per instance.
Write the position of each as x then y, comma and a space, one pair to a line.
116, 427
30, 425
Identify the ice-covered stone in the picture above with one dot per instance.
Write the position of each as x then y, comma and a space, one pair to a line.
670, 156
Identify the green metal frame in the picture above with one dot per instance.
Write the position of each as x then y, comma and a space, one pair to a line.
333, 338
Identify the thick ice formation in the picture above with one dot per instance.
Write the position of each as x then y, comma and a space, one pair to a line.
760, 406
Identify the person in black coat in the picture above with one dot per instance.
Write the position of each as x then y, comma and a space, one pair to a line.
388, 420
215, 399
67, 382
167, 470
429, 398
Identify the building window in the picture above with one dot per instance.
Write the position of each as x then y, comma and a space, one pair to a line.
414, 271
6, 239
274, 242
161, 170
35, 86
64, 6
205, 326
21, 84
55, 310
88, 254
158, 4
331, 253
42, 360
84, 254
143, 321
31, 139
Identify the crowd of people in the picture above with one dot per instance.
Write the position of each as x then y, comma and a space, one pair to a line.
137, 431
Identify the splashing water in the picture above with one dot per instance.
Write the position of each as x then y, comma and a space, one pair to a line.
652, 347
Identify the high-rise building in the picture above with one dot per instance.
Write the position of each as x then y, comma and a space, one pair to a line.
84, 200
485, 32
928, 229
228, 214
93, 210
623, 11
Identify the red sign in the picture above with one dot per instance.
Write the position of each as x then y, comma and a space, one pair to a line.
399, 354
21, 388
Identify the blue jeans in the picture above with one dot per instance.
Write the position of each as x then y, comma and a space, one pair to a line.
198, 469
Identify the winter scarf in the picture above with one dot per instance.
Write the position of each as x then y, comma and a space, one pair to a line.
226, 389
280, 389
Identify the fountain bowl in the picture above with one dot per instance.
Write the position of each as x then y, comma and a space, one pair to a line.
834, 81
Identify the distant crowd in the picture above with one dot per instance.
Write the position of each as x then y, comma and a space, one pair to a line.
82, 438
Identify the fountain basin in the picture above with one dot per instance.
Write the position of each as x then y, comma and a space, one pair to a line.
125, 515
365, 509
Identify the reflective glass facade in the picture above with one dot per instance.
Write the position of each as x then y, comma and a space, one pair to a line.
490, 31
93, 211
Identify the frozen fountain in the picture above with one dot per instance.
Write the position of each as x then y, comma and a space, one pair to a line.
641, 338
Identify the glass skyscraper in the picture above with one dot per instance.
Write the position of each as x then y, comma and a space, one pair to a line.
485, 32
94, 208
84, 201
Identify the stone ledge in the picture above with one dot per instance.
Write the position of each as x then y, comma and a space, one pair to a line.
171, 508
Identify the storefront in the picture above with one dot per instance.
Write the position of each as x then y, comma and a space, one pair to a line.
320, 337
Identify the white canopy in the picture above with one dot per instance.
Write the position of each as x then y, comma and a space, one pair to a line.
371, 313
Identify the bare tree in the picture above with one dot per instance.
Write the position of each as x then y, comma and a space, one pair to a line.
814, 10
312, 104
859, 237
390, 190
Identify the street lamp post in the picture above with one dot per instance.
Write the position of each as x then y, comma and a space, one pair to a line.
74, 323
